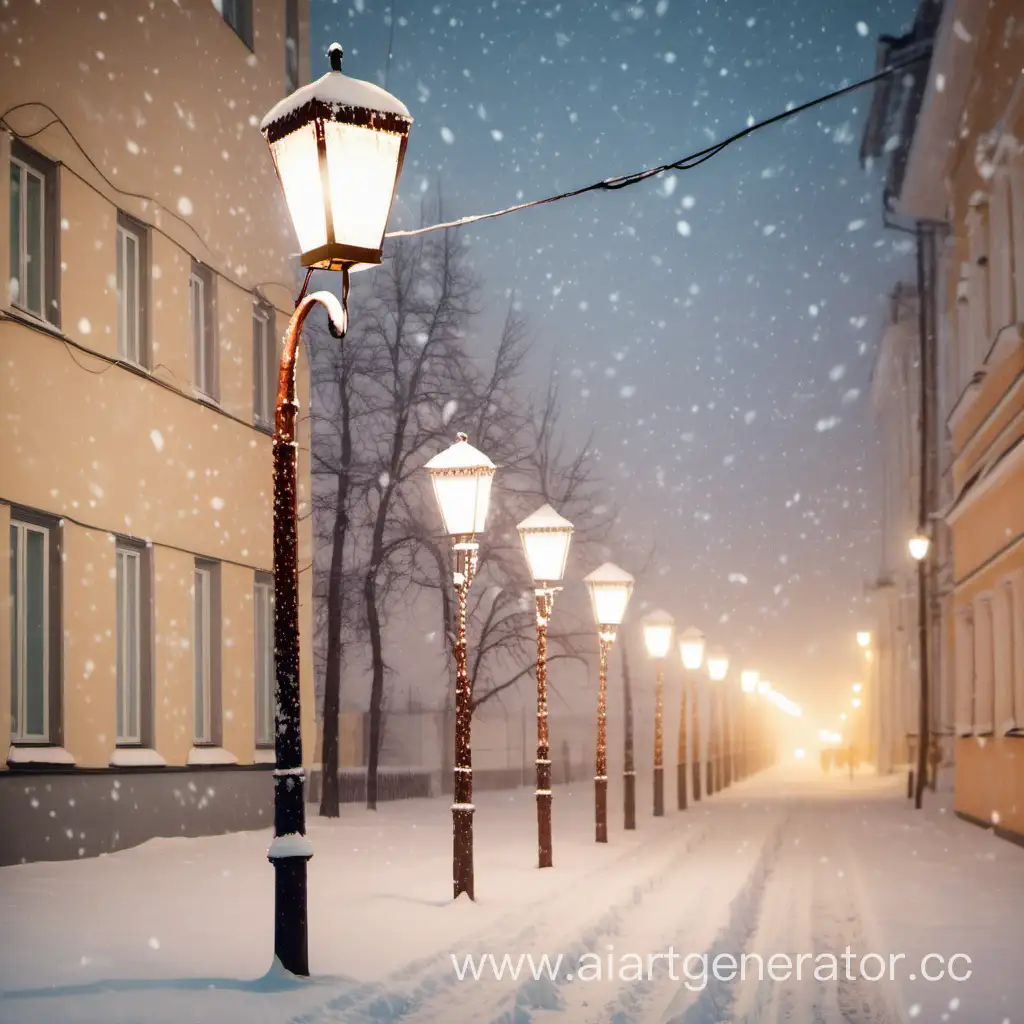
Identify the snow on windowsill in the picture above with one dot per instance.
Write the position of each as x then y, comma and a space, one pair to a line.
292, 845
136, 757
211, 755
264, 755
39, 755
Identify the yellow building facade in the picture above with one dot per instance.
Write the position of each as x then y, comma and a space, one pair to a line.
966, 169
151, 272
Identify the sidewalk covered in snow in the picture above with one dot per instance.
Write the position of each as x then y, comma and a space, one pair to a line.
787, 863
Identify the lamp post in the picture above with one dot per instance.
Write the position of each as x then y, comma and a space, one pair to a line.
920, 546
764, 689
610, 589
545, 536
338, 146
718, 669
462, 478
658, 626
691, 653
748, 686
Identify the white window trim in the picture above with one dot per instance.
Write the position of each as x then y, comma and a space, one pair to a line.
134, 357
202, 732
203, 338
125, 557
984, 664
1002, 658
266, 609
266, 349
22, 269
964, 679
19, 684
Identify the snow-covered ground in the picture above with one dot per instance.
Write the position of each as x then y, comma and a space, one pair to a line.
180, 930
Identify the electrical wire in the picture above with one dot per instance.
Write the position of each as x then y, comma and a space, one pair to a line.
685, 163
56, 119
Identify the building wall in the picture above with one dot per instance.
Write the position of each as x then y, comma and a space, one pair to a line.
980, 169
166, 100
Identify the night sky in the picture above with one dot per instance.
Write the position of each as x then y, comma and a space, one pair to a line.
716, 327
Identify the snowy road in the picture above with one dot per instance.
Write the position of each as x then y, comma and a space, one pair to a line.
786, 866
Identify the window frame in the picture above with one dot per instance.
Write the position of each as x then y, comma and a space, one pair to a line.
243, 26
264, 365
52, 735
139, 552
128, 227
203, 332
291, 45
264, 716
34, 163
210, 733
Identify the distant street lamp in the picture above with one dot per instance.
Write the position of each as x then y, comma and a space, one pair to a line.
338, 146
658, 626
864, 638
918, 546
691, 653
718, 669
462, 478
610, 590
545, 536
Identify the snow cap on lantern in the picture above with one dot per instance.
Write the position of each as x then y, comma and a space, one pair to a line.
546, 536
462, 477
610, 589
658, 626
691, 648
338, 144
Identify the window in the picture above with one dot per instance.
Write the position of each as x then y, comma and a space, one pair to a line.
978, 288
35, 628
1000, 255
206, 653
34, 240
133, 643
1017, 230
264, 365
291, 45
984, 667
263, 604
964, 681
238, 14
132, 277
202, 329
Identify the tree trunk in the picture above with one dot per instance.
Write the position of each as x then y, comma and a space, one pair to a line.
377, 684
329, 795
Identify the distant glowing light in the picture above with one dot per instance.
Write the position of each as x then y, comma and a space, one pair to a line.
799, 753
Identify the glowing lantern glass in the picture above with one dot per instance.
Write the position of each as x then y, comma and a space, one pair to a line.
919, 545
462, 478
338, 144
610, 589
748, 680
691, 648
718, 664
546, 536
658, 626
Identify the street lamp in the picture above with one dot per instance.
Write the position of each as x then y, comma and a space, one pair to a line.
610, 589
545, 536
462, 478
658, 626
857, 687
864, 638
718, 669
748, 684
691, 654
919, 545
337, 146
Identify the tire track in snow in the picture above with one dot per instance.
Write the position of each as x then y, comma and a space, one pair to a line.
426, 989
679, 919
